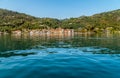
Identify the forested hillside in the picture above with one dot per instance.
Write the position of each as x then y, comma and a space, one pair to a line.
10, 20
107, 20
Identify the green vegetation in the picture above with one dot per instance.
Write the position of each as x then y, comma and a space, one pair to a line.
107, 21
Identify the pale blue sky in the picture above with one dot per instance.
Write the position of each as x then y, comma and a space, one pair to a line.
60, 8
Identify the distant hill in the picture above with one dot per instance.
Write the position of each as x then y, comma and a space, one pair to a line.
10, 20
97, 22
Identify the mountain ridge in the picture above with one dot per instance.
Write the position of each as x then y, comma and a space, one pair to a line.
11, 20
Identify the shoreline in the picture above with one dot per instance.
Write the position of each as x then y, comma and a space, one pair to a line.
41, 32
57, 31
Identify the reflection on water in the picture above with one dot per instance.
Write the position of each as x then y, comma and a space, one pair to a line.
56, 56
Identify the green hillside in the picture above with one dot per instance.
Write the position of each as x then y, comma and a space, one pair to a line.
10, 20
98, 22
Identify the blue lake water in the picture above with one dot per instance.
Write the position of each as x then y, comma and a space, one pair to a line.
71, 56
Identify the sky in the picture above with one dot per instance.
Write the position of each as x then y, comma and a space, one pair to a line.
60, 8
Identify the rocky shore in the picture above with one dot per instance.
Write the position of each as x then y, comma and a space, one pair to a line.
41, 32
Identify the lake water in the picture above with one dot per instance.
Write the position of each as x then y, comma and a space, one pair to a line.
70, 56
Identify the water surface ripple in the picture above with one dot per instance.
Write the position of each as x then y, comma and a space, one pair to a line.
78, 56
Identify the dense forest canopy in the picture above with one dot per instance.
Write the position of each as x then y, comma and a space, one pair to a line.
10, 21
